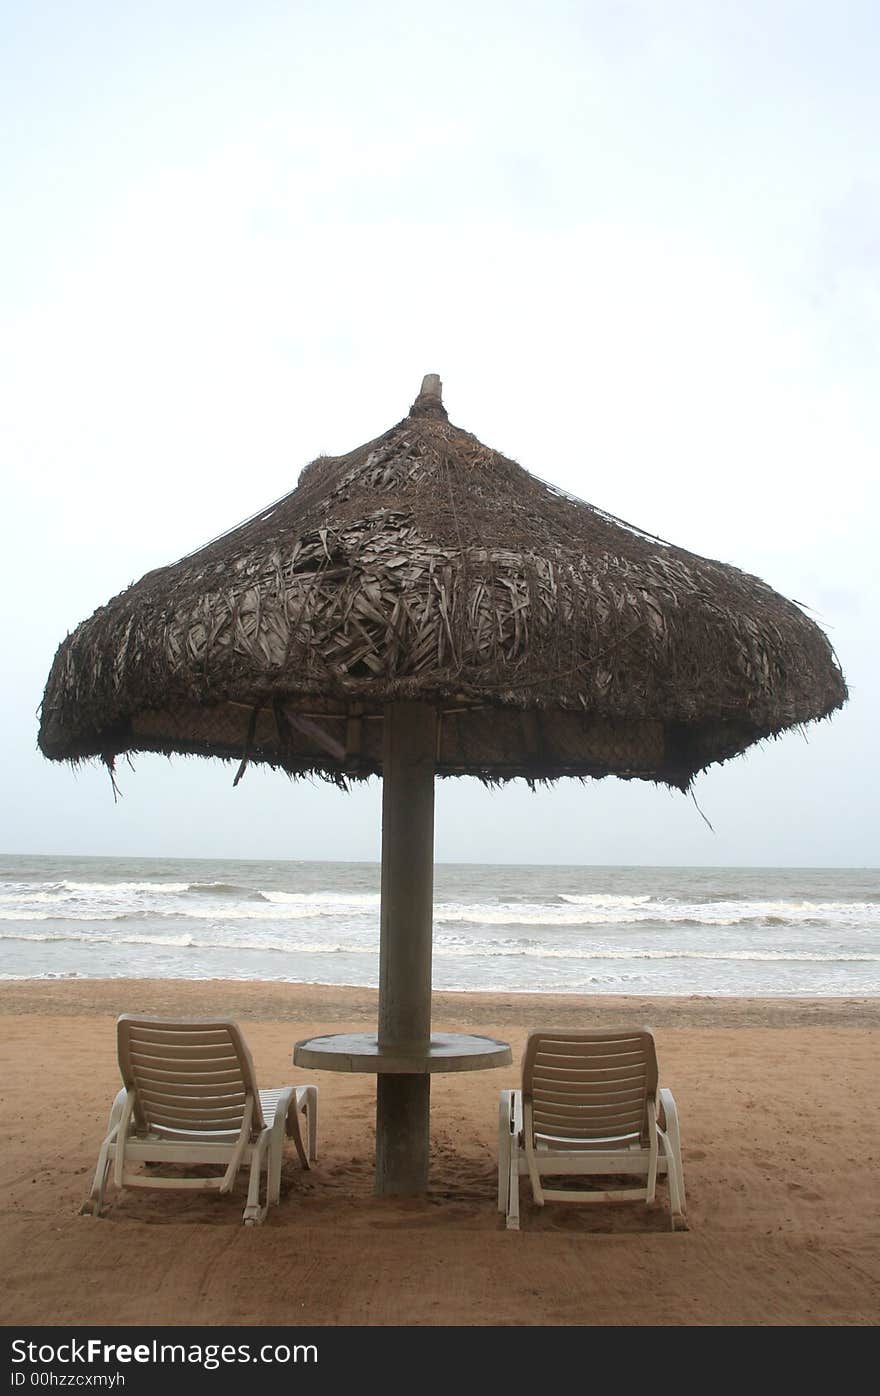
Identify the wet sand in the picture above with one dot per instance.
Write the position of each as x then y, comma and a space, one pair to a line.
780, 1136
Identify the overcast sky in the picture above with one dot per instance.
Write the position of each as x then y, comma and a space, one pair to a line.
639, 242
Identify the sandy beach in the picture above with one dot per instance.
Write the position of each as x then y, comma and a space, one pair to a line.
780, 1133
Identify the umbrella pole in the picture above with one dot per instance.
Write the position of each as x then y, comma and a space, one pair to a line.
406, 925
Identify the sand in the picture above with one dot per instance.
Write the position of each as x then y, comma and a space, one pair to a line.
780, 1134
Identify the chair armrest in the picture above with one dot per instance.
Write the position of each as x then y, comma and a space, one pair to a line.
667, 1110
116, 1108
671, 1136
506, 1112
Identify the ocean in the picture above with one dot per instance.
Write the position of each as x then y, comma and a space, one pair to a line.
510, 928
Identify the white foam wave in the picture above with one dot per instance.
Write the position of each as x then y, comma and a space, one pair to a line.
25, 915
603, 899
190, 942
456, 950
629, 912
541, 952
325, 901
251, 912
856, 917
28, 898
84, 938
160, 887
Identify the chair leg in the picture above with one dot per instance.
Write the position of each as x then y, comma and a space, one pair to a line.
94, 1203
676, 1192
513, 1183
276, 1157
513, 1154
254, 1214
653, 1154
294, 1127
286, 1125
504, 1121
528, 1134
311, 1114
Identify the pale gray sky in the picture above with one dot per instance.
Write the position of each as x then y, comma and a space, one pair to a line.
638, 242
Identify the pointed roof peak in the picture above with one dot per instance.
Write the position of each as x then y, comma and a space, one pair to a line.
429, 402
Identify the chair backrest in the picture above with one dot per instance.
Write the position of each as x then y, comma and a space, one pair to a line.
589, 1086
188, 1076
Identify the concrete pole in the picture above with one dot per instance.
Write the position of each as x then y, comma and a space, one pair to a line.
406, 925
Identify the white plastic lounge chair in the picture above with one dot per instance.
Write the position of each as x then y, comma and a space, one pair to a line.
589, 1105
190, 1097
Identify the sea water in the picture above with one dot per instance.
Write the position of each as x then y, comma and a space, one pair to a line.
509, 928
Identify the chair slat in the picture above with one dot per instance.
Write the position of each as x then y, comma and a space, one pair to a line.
192, 1107
597, 1079
595, 1099
600, 1057
201, 1063
584, 1089
187, 1086
589, 1063
180, 1037
610, 1120
592, 1041
204, 1080
583, 1129
189, 1100
183, 1119
606, 1124
183, 1056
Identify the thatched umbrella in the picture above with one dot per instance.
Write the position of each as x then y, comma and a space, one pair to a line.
422, 606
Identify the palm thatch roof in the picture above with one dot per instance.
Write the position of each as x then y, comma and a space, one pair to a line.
552, 638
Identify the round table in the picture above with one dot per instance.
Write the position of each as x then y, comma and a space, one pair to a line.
362, 1051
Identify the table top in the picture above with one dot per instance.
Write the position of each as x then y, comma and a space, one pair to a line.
362, 1051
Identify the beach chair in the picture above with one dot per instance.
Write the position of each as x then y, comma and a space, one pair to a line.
589, 1107
190, 1097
